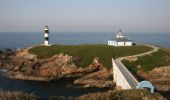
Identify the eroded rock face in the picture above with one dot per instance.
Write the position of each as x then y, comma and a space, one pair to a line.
97, 79
5, 57
159, 76
28, 65
57, 65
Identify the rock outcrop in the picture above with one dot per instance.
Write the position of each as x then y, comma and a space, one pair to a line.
25, 66
101, 78
159, 76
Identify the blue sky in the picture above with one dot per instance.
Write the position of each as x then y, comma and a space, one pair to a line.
147, 16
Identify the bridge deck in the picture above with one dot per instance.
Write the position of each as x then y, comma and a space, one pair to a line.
128, 76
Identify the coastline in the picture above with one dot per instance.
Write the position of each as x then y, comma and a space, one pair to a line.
95, 67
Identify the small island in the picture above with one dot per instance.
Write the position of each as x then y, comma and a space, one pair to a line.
89, 65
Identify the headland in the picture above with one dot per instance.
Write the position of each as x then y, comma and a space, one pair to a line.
90, 65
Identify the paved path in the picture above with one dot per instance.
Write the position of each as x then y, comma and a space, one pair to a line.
128, 76
142, 54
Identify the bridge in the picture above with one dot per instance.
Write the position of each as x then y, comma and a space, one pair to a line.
124, 78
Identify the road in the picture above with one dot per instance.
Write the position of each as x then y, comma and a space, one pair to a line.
128, 76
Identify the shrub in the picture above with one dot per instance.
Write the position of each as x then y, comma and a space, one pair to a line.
16, 95
131, 94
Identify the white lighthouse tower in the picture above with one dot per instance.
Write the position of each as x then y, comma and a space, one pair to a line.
46, 36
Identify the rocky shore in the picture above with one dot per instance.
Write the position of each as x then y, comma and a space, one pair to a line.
25, 66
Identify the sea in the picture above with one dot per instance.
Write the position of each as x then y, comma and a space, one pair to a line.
26, 39
15, 40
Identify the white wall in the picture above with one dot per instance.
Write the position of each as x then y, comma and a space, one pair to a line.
128, 43
121, 43
119, 78
46, 35
114, 43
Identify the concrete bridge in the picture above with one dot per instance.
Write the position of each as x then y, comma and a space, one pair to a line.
124, 78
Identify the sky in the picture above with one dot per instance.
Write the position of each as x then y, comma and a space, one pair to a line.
144, 16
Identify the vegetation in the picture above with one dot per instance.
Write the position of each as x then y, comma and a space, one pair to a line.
135, 94
16, 95
158, 59
85, 53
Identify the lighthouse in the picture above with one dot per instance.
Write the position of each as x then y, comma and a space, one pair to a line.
46, 36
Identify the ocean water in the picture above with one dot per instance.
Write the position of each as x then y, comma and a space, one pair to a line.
62, 87
22, 40
45, 89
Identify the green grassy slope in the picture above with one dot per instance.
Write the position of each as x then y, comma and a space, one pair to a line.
148, 62
87, 52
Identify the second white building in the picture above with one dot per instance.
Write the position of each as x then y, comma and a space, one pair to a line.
120, 40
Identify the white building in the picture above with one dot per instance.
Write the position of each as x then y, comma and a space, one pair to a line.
120, 40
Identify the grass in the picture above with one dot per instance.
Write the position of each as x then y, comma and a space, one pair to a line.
86, 53
16, 95
158, 59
